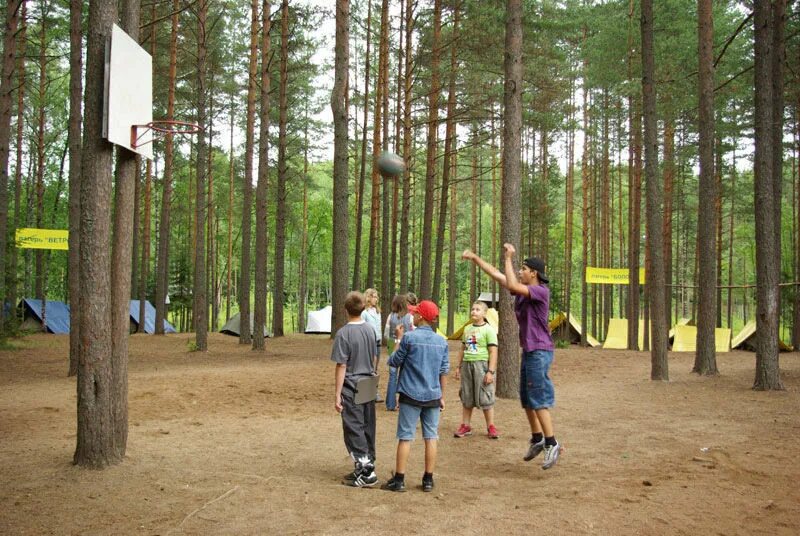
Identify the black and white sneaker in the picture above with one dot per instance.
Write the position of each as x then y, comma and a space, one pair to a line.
362, 480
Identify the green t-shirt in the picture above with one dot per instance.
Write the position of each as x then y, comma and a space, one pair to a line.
477, 340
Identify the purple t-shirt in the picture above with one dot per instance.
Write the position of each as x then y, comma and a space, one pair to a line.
532, 312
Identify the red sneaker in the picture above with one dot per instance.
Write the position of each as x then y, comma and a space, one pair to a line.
463, 430
493, 433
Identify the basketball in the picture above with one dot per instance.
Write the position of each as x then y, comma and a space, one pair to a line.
390, 164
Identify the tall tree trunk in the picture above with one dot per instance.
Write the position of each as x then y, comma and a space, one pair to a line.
585, 204
705, 361
40, 156
6, 92
247, 186
768, 22
669, 178
450, 144
74, 134
262, 185
302, 285
200, 306
452, 287
339, 269
162, 266
231, 173
121, 261
377, 147
634, 195
96, 440
655, 282
406, 205
508, 333
430, 155
569, 209
363, 162
146, 217
280, 194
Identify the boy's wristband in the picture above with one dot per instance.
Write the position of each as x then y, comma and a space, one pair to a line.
491, 371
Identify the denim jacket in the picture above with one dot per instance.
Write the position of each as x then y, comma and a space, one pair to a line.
423, 356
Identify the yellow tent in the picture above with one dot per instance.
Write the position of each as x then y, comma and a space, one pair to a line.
686, 339
617, 335
491, 317
746, 339
575, 330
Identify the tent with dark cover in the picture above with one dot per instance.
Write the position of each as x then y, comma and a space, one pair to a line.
149, 318
55, 313
232, 326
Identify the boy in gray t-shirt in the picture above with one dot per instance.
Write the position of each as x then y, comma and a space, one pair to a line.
354, 352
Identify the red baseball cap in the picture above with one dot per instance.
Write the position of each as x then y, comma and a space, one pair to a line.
426, 309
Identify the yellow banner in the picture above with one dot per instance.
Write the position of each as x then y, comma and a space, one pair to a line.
43, 238
610, 276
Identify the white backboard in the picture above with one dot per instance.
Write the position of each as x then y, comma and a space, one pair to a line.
128, 93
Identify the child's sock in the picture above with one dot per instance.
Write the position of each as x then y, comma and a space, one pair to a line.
399, 477
550, 441
427, 476
536, 437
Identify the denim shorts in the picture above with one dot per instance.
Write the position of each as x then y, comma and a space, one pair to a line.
536, 390
407, 422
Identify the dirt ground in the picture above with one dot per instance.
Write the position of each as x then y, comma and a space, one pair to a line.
234, 442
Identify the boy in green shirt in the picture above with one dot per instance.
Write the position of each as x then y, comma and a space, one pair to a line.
476, 368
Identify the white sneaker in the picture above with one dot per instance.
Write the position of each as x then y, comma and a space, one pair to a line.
550, 455
534, 449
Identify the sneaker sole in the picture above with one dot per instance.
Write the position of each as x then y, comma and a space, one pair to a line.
353, 484
463, 435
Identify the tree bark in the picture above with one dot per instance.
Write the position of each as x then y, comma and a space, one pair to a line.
363, 162
767, 203
705, 361
247, 186
162, 266
406, 204
200, 294
658, 353
6, 92
280, 194
96, 397
260, 304
508, 333
430, 155
74, 134
450, 144
339, 269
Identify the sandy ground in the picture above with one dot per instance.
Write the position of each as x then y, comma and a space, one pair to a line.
219, 444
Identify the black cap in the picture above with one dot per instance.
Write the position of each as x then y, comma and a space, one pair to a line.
535, 263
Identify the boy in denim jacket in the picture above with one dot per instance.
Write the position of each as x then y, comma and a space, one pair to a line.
423, 359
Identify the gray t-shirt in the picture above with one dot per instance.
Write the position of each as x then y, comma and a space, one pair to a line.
354, 345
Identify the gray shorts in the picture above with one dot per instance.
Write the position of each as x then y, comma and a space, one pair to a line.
473, 393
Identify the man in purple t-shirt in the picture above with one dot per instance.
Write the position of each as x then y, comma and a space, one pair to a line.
531, 305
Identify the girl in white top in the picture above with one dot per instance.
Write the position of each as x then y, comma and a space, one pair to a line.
372, 316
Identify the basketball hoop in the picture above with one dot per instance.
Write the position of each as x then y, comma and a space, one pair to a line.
162, 128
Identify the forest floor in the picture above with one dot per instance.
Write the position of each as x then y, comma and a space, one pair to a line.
234, 442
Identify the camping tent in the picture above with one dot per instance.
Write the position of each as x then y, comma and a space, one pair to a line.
575, 329
149, 318
746, 339
617, 334
232, 326
56, 315
686, 339
319, 321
